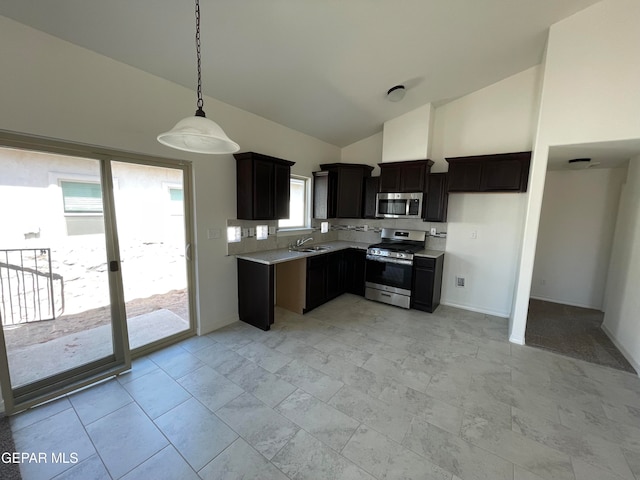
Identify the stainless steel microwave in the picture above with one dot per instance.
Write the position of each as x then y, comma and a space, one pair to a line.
399, 205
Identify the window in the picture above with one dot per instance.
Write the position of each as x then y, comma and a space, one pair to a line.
81, 197
298, 204
176, 198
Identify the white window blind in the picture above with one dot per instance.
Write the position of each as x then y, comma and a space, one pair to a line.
81, 197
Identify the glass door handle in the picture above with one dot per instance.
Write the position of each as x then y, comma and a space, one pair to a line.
187, 251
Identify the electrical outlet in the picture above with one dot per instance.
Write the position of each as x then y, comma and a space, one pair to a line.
474, 234
460, 282
262, 232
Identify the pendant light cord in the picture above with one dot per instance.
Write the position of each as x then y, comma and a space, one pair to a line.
200, 103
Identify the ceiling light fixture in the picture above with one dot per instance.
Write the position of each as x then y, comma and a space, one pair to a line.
198, 134
395, 94
580, 163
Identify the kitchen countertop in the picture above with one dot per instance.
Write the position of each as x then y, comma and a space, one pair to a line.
271, 257
429, 253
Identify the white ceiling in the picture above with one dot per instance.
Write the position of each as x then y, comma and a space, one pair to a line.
602, 154
321, 67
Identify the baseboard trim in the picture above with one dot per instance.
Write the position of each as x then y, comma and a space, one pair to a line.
571, 304
476, 309
623, 351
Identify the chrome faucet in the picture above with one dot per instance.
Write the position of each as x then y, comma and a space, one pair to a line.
300, 241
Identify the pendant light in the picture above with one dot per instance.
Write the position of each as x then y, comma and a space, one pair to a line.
198, 134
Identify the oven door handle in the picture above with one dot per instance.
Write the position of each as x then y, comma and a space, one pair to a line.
399, 261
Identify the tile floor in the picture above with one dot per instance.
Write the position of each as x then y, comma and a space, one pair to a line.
352, 390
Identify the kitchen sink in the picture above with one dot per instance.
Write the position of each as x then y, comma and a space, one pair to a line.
314, 248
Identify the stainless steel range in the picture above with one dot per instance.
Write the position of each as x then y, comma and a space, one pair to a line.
389, 266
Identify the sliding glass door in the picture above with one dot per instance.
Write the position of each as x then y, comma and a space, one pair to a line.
93, 264
150, 213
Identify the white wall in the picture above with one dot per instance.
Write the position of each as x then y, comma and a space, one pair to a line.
487, 262
500, 118
575, 237
622, 302
407, 137
589, 94
367, 151
54, 89
497, 119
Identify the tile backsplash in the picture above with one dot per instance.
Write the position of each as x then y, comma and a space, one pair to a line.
347, 229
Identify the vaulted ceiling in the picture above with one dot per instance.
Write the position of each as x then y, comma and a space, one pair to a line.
321, 67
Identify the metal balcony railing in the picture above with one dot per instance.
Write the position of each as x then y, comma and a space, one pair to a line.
29, 290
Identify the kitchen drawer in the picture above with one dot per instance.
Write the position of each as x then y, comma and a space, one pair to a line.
423, 262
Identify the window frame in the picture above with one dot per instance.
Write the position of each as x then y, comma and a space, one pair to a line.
306, 225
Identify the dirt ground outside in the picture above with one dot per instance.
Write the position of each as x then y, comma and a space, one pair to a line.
147, 268
39, 332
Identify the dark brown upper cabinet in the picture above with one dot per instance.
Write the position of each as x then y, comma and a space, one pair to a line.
409, 176
371, 189
504, 172
338, 190
263, 186
436, 199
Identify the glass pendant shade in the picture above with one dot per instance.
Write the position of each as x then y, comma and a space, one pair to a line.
200, 135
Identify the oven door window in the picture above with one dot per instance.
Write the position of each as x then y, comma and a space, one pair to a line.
390, 274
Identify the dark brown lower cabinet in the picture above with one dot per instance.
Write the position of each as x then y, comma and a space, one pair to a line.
427, 283
354, 265
316, 282
256, 293
325, 278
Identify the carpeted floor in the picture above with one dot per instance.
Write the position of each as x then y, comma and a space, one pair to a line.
8, 471
572, 331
